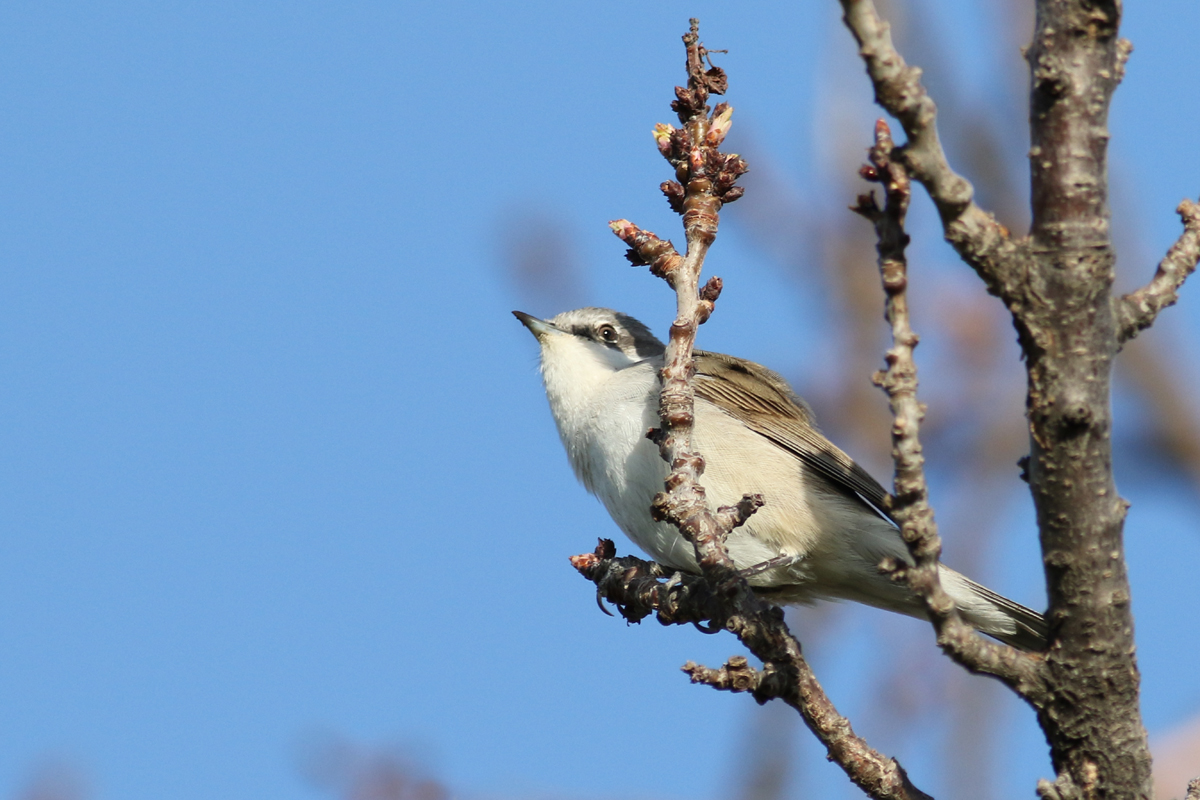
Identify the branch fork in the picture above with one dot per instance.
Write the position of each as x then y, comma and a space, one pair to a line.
1137, 310
1056, 283
980, 240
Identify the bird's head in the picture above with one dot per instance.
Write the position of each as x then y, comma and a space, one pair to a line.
597, 339
583, 350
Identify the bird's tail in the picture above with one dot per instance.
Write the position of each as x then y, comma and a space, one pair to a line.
994, 614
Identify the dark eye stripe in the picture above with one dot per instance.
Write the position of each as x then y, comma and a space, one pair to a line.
605, 333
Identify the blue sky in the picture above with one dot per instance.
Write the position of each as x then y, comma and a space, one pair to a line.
276, 461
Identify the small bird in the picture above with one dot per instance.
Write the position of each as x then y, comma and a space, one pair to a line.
822, 533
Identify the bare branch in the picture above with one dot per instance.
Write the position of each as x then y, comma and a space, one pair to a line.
1137, 310
909, 504
705, 180
646, 249
736, 676
639, 588
702, 171
982, 242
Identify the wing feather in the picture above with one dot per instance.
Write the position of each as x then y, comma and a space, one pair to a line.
763, 401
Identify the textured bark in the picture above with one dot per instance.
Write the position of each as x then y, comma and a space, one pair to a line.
1057, 283
1091, 719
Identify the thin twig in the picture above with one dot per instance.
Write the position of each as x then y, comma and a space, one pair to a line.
909, 503
736, 676
1137, 310
982, 242
705, 180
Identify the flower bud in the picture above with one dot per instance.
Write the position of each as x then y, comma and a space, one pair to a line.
722, 119
662, 137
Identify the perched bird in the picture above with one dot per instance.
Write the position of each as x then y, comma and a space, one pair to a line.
823, 524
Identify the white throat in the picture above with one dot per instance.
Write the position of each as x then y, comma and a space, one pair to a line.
603, 403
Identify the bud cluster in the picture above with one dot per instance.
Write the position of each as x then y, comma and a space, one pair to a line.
701, 160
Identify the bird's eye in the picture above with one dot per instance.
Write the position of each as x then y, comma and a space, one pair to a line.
607, 333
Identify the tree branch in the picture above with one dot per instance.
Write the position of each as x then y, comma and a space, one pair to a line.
639, 588
705, 180
980, 240
909, 502
1137, 310
1057, 285
1092, 720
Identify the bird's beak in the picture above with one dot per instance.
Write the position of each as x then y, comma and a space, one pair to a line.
538, 327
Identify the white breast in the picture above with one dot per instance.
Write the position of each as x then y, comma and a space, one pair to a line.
603, 416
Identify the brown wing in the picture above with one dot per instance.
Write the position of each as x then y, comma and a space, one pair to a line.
767, 405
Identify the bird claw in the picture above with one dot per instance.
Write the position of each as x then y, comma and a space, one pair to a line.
600, 603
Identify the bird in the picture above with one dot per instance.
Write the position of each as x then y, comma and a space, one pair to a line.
823, 531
